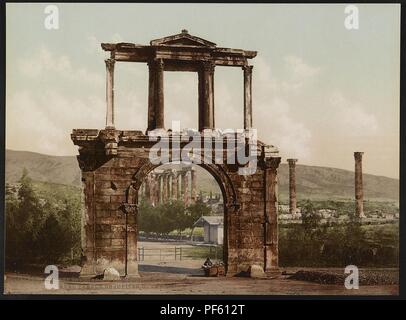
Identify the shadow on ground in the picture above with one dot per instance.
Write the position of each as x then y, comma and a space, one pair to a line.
170, 269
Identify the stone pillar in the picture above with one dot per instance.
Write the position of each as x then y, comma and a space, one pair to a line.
178, 187
206, 96
359, 190
110, 92
147, 189
247, 96
160, 191
164, 188
193, 184
151, 96
168, 186
185, 188
271, 262
159, 95
174, 186
292, 186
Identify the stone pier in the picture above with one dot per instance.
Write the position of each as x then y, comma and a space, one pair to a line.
359, 188
292, 186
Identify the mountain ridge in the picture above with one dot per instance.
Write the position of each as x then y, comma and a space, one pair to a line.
313, 182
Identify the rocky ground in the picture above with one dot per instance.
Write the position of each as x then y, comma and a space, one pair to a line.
185, 277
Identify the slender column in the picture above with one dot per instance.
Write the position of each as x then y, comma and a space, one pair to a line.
193, 184
359, 189
247, 96
110, 92
292, 186
206, 96
164, 188
159, 194
185, 188
159, 95
168, 187
151, 96
178, 187
174, 186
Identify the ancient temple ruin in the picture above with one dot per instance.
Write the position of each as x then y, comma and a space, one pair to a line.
115, 162
163, 186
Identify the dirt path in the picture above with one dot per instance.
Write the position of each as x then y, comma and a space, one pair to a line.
180, 283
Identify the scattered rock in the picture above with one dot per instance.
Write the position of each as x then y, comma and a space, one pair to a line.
111, 274
256, 271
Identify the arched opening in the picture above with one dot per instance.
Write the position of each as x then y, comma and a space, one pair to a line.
181, 219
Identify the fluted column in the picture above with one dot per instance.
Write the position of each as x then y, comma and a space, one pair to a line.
110, 92
247, 96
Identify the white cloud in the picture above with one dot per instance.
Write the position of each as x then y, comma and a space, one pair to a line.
45, 63
276, 121
299, 73
351, 118
43, 123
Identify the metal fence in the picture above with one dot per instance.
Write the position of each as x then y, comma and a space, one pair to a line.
177, 253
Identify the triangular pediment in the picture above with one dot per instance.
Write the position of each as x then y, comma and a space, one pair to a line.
182, 39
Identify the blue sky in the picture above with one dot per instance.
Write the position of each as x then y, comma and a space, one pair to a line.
320, 91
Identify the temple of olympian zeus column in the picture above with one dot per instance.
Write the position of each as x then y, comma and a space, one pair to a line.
114, 162
162, 186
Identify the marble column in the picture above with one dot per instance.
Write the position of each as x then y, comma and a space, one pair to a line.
185, 188
206, 96
292, 186
193, 184
151, 95
159, 95
247, 96
359, 188
174, 186
110, 92
164, 188
160, 191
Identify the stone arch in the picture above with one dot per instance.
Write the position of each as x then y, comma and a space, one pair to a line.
219, 173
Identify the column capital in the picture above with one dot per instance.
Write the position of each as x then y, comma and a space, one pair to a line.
291, 161
157, 64
208, 66
247, 68
358, 155
110, 63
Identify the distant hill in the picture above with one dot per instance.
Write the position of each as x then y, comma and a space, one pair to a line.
316, 183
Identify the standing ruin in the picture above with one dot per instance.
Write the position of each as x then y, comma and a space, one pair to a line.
114, 163
359, 187
292, 186
171, 186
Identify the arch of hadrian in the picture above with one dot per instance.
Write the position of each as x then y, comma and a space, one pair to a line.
115, 162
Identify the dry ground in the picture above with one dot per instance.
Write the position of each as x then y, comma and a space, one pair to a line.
185, 277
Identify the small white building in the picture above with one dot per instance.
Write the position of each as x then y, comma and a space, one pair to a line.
213, 228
